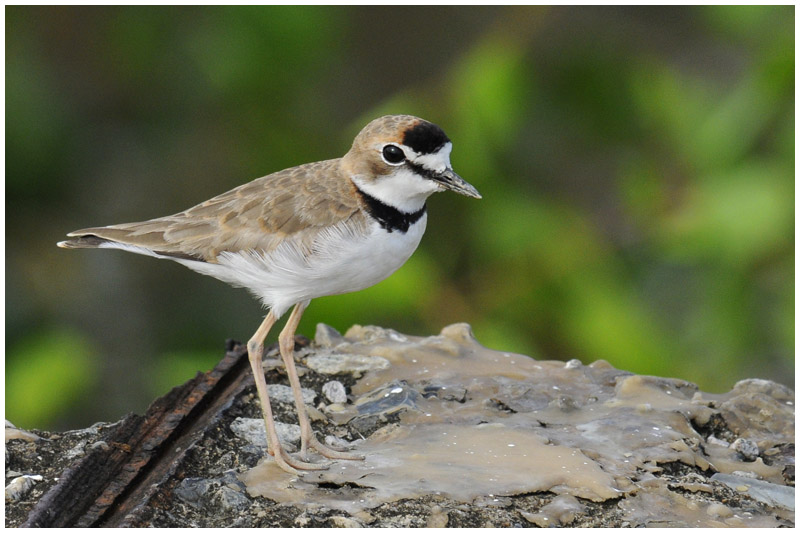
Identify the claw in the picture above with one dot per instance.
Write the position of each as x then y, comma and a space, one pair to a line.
297, 464
333, 453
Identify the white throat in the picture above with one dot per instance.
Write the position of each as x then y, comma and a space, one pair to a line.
403, 189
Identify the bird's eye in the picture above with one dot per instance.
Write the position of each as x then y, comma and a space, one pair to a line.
393, 154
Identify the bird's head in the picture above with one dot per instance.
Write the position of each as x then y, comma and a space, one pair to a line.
401, 160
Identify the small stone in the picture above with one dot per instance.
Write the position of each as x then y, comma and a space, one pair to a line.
719, 510
100, 444
364, 517
717, 441
343, 521
315, 414
337, 442
335, 392
535, 518
562, 510
284, 394
20, 486
388, 398
327, 337
14, 433
253, 431
339, 363
192, 490
460, 332
437, 518
746, 448
335, 408
230, 499
564, 403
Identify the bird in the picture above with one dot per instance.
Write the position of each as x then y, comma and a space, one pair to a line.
329, 227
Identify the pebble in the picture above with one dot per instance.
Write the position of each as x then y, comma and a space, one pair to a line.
192, 490
711, 439
343, 521
20, 486
100, 444
339, 363
253, 431
437, 518
230, 499
327, 336
335, 392
284, 394
746, 448
337, 442
14, 433
719, 510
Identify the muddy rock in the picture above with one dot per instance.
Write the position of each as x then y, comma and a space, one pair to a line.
457, 435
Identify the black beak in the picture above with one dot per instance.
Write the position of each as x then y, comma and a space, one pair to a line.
455, 183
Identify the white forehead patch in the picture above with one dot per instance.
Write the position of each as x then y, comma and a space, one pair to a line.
437, 161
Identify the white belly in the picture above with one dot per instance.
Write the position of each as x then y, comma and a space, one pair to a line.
341, 262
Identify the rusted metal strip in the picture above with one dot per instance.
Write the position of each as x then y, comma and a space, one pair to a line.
106, 486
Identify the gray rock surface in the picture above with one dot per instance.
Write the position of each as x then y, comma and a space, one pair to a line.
458, 435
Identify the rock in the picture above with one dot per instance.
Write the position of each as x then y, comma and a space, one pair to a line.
340, 363
768, 493
327, 337
458, 435
19, 487
335, 392
283, 393
254, 431
746, 448
343, 521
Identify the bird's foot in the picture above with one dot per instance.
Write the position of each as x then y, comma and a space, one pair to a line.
293, 465
333, 453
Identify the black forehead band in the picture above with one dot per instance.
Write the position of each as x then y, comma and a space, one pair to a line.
425, 138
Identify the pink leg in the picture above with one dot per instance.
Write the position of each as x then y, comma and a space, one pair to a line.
255, 350
307, 438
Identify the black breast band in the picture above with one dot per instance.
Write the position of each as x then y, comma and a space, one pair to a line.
390, 218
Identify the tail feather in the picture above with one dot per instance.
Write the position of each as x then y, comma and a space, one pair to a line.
83, 241
117, 239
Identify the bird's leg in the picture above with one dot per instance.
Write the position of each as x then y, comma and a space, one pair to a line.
255, 350
307, 438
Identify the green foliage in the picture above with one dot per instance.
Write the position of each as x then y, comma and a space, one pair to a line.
56, 370
637, 169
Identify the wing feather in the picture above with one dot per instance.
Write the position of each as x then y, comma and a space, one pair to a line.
294, 204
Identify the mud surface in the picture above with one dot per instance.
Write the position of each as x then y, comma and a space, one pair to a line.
458, 435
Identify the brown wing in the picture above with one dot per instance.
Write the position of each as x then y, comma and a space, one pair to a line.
296, 202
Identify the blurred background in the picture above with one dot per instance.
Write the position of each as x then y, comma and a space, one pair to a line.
636, 164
